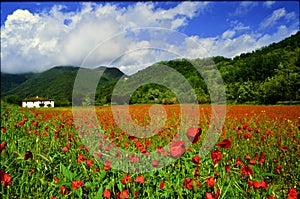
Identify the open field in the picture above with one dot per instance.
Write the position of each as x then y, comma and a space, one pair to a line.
256, 156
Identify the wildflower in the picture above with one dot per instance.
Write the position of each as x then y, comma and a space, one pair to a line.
106, 193
64, 190
225, 143
196, 159
194, 134
2, 146
246, 170
189, 183
28, 155
227, 168
216, 155
76, 184
64, 150
126, 179
5, 178
155, 163
210, 182
162, 184
177, 148
292, 194
81, 158
89, 163
140, 179
122, 195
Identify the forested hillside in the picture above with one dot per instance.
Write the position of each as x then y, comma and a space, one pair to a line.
266, 76
56, 83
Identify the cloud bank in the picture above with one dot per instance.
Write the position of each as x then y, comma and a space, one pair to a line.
120, 36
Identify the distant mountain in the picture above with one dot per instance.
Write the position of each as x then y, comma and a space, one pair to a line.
10, 81
56, 83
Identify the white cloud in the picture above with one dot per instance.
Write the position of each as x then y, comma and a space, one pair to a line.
268, 4
248, 42
271, 20
38, 41
276, 16
244, 7
228, 34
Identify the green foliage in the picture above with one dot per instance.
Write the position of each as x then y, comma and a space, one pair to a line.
13, 99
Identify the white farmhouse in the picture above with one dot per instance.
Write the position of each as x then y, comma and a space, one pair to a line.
37, 102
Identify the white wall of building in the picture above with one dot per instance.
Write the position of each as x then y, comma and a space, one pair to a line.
36, 104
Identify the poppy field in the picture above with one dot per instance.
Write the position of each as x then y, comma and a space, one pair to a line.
257, 155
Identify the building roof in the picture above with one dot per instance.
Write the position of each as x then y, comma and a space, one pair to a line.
34, 99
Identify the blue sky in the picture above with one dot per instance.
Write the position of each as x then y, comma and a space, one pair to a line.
37, 36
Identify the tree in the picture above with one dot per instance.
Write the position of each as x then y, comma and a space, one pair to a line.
13, 99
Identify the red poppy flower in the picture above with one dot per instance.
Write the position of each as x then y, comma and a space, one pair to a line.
293, 194
196, 159
189, 183
210, 182
140, 179
5, 178
81, 158
285, 148
89, 163
270, 197
227, 168
278, 167
246, 170
77, 183
216, 155
256, 185
209, 195
262, 160
252, 162
225, 143
264, 184
56, 180
134, 158
197, 172
2, 146
64, 190
65, 149
162, 184
31, 171
247, 157
28, 155
160, 150
122, 195
155, 163
106, 193
126, 179
238, 162
177, 148
250, 183
53, 197
194, 134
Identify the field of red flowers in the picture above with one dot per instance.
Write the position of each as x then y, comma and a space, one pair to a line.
256, 156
